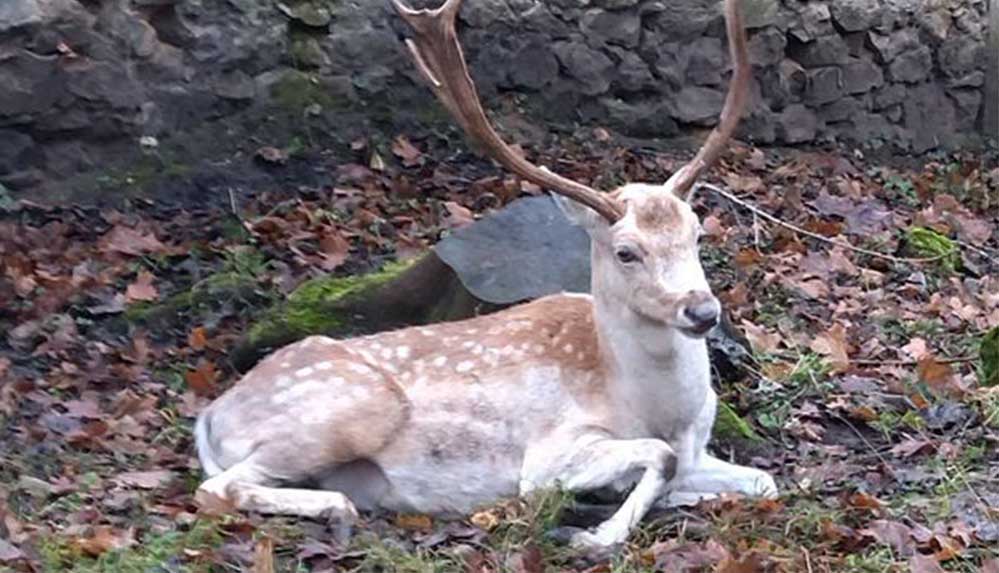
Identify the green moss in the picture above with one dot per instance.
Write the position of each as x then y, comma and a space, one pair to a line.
988, 350
297, 90
923, 242
314, 307
729, 425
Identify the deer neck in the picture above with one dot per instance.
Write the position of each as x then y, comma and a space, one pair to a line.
658, 376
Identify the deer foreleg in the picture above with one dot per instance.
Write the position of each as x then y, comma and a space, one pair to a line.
245, 488
712, 476
606, 462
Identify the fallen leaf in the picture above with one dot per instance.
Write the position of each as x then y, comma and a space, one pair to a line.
129, 241
458, 216
759, 338
990, 565
103, 539
414, 522
833, 345
9, 553
916, 348
211, 504
924, 564
940, 377
406, 151
142, 289
145, 480
528, 560
272, 155
894, 534
865, 501
202, 379
485, 520
335, 249
197, 339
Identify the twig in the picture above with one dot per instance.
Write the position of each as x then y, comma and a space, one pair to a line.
862, 438
232, 205
808, 560
886, 362
777, 221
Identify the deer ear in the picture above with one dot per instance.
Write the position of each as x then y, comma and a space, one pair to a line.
579, 214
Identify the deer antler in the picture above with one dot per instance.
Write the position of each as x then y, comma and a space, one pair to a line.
735, 104
439, 57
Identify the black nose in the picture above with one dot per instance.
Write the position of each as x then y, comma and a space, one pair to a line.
703, 316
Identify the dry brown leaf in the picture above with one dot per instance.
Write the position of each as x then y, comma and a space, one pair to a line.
210, 504
865, 501
528, 560
334, 248
145, 480
916, 348
272, 155
202, 379
197, 339
103, 539
414, 522
759, 338
129, 241
458, 216
940, 377
486, 520
894, 534
924, 564
407, 152
142, 289
833, 345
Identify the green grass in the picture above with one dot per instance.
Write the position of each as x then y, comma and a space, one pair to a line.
150, 553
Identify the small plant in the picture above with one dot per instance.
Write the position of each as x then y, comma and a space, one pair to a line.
927, 243
988, 352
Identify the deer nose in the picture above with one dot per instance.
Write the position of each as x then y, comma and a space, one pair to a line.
703, 316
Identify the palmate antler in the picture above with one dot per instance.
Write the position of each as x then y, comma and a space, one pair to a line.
438, 55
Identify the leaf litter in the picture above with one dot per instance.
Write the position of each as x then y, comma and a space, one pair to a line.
867, 387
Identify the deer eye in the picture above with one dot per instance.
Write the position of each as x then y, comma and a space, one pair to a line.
627, 255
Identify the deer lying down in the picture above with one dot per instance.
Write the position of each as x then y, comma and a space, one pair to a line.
585, 392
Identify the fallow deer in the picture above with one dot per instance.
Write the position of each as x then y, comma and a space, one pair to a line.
577, 391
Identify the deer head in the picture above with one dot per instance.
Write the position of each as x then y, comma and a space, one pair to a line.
645, 254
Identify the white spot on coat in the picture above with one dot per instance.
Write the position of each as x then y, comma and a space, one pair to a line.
303, 372
465, 366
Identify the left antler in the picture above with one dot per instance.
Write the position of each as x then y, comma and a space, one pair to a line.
439, 57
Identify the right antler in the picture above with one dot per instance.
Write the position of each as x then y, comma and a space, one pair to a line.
439, 57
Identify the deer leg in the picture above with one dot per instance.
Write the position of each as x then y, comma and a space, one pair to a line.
606, 462
246, 488
712, 476
703, 476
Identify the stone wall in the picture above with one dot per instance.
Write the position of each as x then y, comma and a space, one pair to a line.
83, 81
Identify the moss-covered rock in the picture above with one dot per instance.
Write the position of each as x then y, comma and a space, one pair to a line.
316, 307
923, 242
421, 291
730, 426
988, 351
